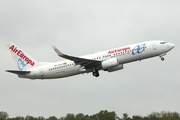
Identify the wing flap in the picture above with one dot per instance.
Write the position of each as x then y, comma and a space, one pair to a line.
18, 72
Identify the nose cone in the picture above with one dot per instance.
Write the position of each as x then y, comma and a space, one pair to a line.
170, 46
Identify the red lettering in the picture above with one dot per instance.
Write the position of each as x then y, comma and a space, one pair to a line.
29, 61
118, 50
21, 55
12, 47
32, 63
16, 50
19, 52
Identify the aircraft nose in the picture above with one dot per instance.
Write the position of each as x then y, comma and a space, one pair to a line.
171, 46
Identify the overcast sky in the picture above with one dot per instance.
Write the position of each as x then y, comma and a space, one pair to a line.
82, 27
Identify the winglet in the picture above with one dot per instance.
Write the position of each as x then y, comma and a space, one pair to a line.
57, 51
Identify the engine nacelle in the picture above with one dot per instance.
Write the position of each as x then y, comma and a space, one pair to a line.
119, 67
110, 63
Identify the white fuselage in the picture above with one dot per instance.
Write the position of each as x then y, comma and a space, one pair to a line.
124, 55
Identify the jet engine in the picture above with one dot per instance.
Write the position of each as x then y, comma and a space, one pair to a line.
119, 67
110, 63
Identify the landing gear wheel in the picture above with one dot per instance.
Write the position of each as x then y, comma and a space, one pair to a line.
162, 58
95, 73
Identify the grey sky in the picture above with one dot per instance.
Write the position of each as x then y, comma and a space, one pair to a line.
83, 27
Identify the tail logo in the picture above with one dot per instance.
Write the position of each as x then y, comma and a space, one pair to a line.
23, 58
21, 64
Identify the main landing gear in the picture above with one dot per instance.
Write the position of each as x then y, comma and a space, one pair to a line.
95, 73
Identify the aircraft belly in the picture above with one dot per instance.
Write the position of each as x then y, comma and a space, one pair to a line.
69, 71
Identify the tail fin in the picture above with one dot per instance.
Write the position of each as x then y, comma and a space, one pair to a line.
22, 59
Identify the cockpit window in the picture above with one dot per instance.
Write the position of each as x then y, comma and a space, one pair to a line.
162, 42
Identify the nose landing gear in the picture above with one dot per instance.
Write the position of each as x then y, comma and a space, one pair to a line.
162, 58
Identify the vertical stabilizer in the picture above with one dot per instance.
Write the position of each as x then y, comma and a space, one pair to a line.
21, 58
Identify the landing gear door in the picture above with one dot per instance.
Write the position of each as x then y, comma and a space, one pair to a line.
154, 46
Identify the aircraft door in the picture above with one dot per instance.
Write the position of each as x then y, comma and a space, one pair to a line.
42, 72
154, 46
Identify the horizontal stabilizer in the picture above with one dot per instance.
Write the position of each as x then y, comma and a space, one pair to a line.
18, 72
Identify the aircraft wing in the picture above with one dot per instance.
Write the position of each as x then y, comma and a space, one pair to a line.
87, 63
18, 72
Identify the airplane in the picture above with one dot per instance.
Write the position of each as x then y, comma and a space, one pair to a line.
110, 60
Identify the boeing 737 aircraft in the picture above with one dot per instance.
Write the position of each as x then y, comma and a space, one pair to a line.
109, 60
